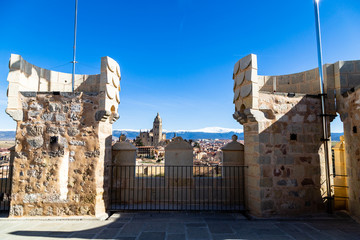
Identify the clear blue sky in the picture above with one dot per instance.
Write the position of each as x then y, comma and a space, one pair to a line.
176, 57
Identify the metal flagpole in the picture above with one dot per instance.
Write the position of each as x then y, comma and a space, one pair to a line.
323, 109
74, 48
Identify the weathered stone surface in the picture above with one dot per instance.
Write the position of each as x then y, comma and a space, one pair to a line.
35, 142
34, 130
267, 205
76, 108
60, 117
266, 182
245, 62
47, 116
35, 106
36, 212
54, 107
60, 150
307, 181
73, 132
16, 210
33, 114
53, 130
245, 90
77, 143
239, 79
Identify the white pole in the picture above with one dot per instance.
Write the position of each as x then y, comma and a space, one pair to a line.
74, 48
323, 110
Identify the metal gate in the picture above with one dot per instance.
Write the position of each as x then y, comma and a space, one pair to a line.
186, 188
5, 187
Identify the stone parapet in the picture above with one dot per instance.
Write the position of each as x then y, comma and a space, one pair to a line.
63, 139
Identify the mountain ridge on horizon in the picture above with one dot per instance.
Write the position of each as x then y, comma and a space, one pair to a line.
185, 134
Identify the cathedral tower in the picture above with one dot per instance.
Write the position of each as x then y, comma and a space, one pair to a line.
157, 130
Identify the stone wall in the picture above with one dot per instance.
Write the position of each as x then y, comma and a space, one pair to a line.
283, 131
57, 156
285, 156
63, 139
350, 115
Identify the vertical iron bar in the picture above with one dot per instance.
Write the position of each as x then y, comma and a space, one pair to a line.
133, 173
118, 189
233, 188
110, 188
243, 188
146, 189
221, 188
203, 180
173, 188
177, 187
212, 190
127, 193
323, 107
143, 199
137, 187
208, 188
191, 181
151, 188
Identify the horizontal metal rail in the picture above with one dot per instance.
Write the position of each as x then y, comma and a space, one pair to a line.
176, 188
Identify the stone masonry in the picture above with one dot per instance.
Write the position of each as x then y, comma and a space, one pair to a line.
63, 139
283, 131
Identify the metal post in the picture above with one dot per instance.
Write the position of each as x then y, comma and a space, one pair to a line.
74, 48
323, 109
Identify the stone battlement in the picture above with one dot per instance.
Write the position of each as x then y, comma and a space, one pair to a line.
63, 139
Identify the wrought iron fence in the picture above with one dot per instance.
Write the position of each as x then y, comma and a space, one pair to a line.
213, 188
5, 187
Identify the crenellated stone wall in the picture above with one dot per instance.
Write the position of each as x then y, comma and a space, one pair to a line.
63, 139
283, 131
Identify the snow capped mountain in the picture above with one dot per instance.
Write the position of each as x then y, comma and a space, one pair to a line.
211, 130
205, 130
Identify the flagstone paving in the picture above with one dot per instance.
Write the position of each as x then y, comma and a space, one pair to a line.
181, 226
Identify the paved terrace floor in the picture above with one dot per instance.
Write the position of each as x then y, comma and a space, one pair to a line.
178, 226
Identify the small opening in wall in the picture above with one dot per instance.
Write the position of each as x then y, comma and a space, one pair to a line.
53, 140
291, 94
293, 136
56, 93
354, 129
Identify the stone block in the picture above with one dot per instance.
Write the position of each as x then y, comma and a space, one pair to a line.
36, 142
33, 114
245, 90
347, 67
47, 116
266, 182
264, 160
343, 81
76, 108
73, 132
267, 205
297, 78
54, 107
16, 210
60, 117
298, 118
353, 80
34, 130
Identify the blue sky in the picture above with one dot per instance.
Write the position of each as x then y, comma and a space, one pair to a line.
176, 57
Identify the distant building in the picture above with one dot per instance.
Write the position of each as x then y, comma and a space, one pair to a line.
155, 137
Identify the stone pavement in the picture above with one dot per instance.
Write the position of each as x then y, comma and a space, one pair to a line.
181, 225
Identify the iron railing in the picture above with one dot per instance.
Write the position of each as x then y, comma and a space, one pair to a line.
5, 187
187, 188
